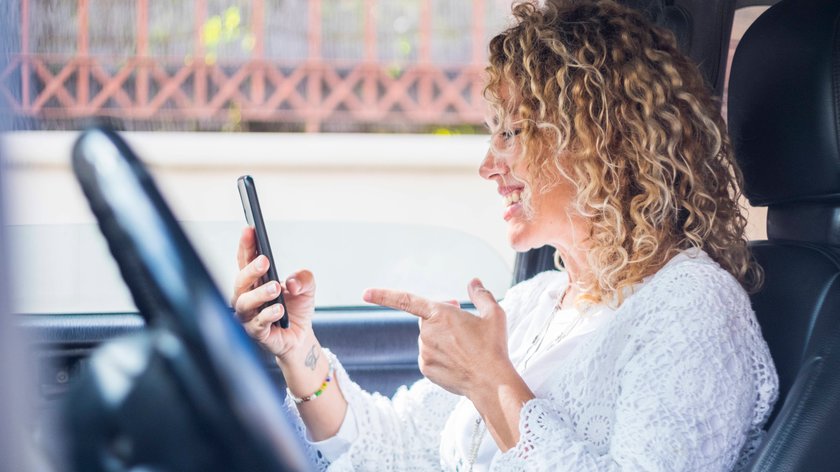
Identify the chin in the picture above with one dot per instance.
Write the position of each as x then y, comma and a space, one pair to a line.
520, 239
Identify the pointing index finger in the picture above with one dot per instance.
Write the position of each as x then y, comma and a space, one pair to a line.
402, 301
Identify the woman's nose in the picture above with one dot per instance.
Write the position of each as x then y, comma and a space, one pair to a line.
492, 166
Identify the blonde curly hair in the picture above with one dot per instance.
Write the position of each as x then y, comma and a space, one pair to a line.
601, 97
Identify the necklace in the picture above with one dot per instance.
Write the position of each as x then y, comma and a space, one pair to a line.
533, 349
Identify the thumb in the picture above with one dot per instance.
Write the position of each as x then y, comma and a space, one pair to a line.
483, 300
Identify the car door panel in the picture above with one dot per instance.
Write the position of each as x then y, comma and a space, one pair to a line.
378, 348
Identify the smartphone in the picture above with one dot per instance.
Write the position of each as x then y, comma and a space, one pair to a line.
253, 215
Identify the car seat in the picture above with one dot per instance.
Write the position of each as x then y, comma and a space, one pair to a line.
784, 120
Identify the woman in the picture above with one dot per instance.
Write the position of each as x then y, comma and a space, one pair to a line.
642, 353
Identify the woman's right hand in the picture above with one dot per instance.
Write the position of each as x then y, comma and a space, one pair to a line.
298, 291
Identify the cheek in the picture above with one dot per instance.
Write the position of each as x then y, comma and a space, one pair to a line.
559, 200
527, 202
544, 206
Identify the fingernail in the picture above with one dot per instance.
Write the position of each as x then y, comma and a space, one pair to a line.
261, 262
272, 288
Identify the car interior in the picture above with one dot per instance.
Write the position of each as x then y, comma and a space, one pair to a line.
783, 113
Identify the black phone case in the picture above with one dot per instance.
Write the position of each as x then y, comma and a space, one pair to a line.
253, 215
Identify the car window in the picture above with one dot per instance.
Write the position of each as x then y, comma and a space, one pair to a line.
361, 122
67, 268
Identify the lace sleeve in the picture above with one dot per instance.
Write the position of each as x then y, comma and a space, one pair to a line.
402, 433
691, 390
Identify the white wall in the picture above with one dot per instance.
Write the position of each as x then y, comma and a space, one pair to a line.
360, 177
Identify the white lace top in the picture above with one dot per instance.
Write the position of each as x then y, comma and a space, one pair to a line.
678, 378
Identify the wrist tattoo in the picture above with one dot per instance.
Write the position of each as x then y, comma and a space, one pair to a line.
311, 359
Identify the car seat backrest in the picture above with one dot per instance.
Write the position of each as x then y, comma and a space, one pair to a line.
784, 121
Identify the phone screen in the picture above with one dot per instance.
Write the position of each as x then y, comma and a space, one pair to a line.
253, 216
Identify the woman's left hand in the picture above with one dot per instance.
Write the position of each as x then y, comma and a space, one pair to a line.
459, 351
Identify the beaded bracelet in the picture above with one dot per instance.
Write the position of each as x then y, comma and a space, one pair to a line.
318, 392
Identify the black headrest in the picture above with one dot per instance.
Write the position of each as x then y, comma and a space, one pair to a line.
784, 106
652, 8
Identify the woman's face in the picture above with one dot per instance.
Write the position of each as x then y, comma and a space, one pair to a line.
537, 212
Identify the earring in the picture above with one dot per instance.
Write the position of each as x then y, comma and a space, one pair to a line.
558, 261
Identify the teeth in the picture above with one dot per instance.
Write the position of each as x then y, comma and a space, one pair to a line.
513, 197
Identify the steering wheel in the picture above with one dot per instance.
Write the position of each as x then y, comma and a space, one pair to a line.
190, 392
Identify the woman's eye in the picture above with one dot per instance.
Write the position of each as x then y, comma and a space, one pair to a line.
508, 134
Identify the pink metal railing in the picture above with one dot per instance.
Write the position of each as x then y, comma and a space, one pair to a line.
312, 91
